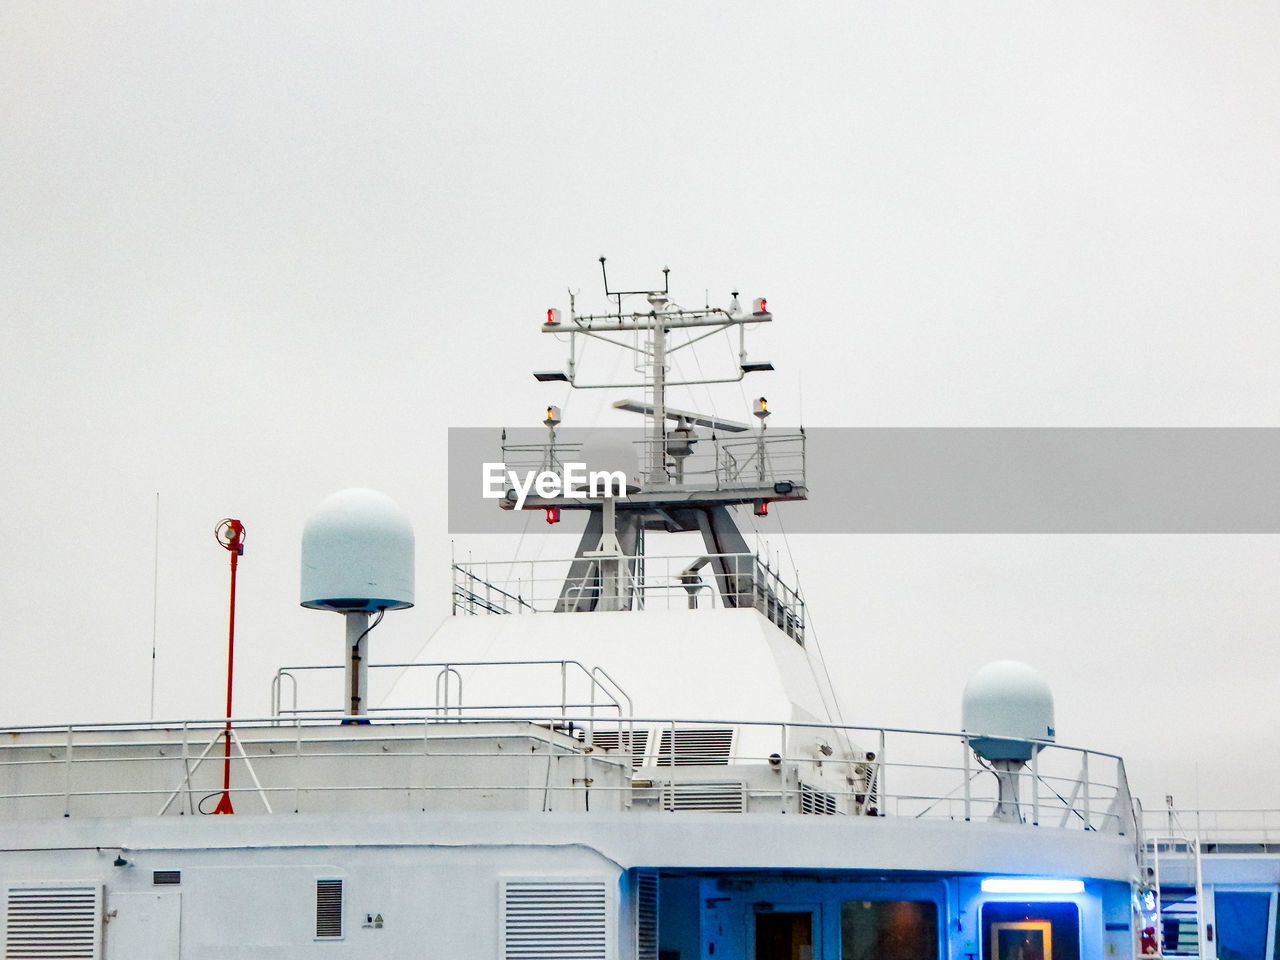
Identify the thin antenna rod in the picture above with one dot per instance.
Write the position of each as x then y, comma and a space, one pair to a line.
155, 603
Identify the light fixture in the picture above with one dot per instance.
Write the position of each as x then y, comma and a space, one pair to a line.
553, 316
1031, 885
762, 366
550, 376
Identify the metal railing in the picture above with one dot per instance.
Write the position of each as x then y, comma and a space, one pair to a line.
691, 581
575, 687
715, 462
1216, 827
582, 762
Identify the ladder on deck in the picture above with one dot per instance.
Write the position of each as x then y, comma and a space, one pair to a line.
1181, 931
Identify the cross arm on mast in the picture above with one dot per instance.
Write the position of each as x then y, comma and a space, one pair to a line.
671, 320
697, 419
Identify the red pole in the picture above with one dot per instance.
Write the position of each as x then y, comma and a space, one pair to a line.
231, 535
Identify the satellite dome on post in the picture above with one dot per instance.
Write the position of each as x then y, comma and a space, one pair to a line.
1007, 713
357, 558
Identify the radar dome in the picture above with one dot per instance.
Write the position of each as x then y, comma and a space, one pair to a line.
357, 554
607, 451
1007, 704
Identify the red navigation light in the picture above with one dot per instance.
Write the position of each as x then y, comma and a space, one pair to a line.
760, 305
553, 316
553, 514
762, 508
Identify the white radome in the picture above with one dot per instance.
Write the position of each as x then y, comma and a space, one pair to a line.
1006, 701
357, 553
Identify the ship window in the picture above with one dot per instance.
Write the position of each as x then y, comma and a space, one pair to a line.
328, 909
164, 877
1031, 931
889, 930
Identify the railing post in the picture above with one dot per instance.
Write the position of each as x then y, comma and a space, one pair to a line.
881, 777
1035, 786
297, 761
66, 783
968, 773
783, 771
1084, 776
186, 763
564, 692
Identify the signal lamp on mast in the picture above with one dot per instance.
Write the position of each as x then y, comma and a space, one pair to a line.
553, 514
759, 305
553, 317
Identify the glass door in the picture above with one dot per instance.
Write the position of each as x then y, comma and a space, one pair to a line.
785, 935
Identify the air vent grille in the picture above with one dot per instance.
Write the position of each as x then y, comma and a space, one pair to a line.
166, 877
695, 747
621, 739
816, 801
328, 909
53, 921
561, 919
720, 796
646, 915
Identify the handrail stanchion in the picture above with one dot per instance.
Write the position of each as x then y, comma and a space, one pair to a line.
968, 775
884, 795
297, 761
66, 781
1035, 786
186, 763
564, 693
1084, 777
782, 736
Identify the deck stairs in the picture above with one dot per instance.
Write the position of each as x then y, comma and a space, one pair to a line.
1175, 860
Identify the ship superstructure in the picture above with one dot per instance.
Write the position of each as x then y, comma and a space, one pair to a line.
624, 753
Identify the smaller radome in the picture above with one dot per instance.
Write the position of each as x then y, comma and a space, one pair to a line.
1006, 704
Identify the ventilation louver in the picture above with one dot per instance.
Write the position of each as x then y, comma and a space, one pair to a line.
328, 909
719, 796
613, 740
561, 919
165, 877
646, 915
816, 801
53, 921
695, 747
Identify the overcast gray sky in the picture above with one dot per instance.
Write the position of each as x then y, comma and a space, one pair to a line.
253, 254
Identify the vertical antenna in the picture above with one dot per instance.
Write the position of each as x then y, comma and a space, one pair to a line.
155, 603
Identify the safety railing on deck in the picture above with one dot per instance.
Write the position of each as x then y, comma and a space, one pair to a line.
717, 462
575, 686
706, 581
1217, 829
554, 761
